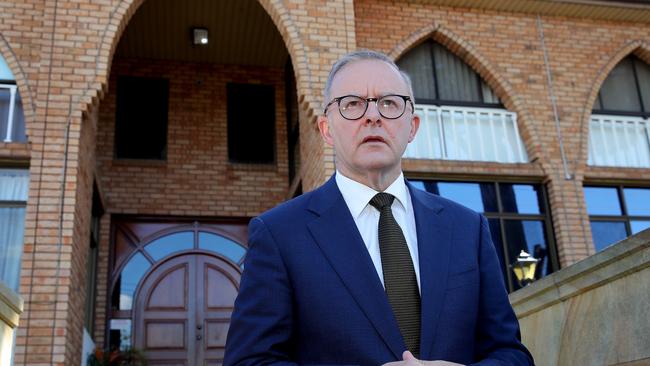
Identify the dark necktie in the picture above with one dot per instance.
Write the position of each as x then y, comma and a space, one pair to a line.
399, 276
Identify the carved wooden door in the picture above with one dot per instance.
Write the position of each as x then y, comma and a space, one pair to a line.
183, 310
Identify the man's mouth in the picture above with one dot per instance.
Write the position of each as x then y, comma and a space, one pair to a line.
373, 139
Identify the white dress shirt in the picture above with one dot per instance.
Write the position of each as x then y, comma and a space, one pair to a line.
357, 196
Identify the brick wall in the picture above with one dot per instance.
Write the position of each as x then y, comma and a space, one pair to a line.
196, 179
506, 50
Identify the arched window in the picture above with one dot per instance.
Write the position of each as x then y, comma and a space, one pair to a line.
12, 119
461, 117
619, 130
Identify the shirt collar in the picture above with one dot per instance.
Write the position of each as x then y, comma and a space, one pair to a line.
358, 195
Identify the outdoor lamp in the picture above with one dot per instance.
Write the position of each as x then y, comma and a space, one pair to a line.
524, 268
199, 36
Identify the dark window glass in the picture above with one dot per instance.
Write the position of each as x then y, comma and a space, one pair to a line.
251, 123
619, 92
517, 219
419, 65
520, 198
637, 201
605, 233
626, 89
602, 201
495, 233
141, 118
643, 74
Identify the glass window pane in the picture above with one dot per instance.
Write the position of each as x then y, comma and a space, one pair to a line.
602, 201
606, 233
480, 197
221, 245
5, 72
128, 281
14, 184
169, 244
457, 81
488, 94
637, 201
643, 73
120, 334
418, 65
12, 227
521, 198
528, 235
638, 226
597, 105
619, 91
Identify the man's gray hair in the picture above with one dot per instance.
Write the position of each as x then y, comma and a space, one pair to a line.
359, 56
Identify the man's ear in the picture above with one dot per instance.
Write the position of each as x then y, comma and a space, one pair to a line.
324, 128
415, 124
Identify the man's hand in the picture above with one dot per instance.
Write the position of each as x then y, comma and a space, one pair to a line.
410, 360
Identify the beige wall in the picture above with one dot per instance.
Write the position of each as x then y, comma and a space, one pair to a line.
595, 312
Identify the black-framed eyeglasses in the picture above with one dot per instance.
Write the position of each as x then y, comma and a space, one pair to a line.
353, 107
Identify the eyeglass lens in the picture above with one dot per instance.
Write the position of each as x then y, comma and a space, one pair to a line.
389, 106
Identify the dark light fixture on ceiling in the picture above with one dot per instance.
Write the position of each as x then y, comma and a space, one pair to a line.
199, 36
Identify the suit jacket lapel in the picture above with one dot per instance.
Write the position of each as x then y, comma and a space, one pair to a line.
338, 238
434, 241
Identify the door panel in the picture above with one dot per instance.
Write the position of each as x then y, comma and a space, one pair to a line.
171, 291
163, 328
219, 282
183, 310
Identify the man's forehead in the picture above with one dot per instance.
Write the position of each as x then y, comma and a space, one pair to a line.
368, 77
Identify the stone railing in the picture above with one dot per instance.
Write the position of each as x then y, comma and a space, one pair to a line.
595, 312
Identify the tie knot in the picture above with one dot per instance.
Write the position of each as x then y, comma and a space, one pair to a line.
381, 200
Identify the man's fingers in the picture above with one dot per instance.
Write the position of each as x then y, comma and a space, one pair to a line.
407, 356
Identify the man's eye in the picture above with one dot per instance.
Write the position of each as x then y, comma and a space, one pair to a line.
388, 103
351, 104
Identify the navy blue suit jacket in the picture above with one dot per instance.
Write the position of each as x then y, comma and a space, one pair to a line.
309, 293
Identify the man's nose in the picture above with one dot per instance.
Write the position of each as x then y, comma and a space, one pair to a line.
372, 113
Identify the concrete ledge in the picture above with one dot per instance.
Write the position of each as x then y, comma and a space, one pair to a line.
595, 312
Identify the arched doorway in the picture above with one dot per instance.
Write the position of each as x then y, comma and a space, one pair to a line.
183, 308
173, 288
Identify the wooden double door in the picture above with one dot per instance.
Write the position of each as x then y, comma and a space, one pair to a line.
182, 310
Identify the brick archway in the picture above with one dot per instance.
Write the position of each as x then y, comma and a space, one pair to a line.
479, 63
639, 48
122, 13
29, 107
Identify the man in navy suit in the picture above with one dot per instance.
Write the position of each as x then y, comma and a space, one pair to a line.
368, 270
